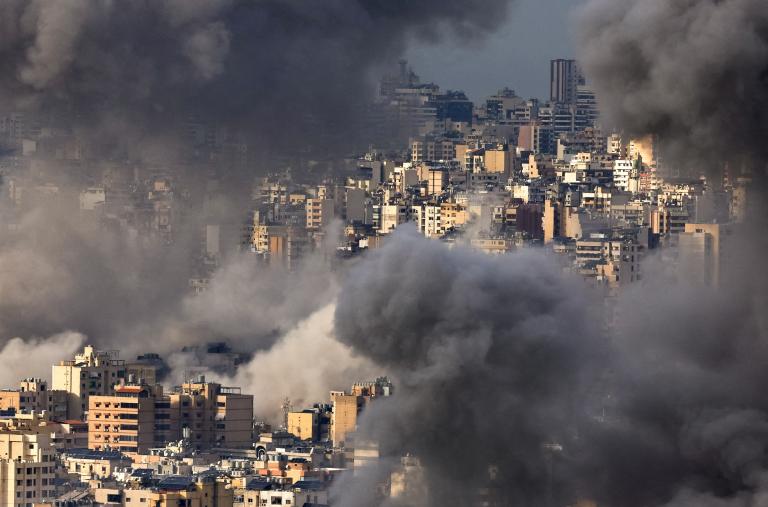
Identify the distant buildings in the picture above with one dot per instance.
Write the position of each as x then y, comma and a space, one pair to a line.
565, 78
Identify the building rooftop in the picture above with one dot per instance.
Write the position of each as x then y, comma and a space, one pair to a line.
176, 483
91, 454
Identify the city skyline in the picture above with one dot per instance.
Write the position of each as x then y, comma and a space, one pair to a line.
351, 253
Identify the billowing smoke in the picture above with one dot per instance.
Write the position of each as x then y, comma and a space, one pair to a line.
126, 75
692, 72
686, 416
689, 421
489, 356
513, 384
34, 357
303, 365
276, 68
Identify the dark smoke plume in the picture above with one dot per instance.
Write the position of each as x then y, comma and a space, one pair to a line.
513, 381
279, 69
693, 72
488, 354
126, 75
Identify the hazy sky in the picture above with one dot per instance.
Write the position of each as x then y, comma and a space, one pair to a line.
516, 56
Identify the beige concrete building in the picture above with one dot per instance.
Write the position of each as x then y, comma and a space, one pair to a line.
437, 180
90, 373
33, 395
215, 415
263, 493
27, 463
499, 160
171, 492
319, 213
304, 425
86, 464
125, 421
347, 406
452, 215
139, 417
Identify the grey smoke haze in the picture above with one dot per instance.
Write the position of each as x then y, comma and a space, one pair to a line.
62, 272
693, 72
274, 68
303, 365
690, 420
128, 73
496, 357
487, 352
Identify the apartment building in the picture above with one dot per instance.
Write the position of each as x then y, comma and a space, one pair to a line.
27, 462
172, 491
95, 373
348, 406
90, 373
304, 425
33, 395
140, 417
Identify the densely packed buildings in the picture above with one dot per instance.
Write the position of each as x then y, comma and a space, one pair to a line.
504, 174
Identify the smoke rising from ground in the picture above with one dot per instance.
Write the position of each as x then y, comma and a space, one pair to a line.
495, 358
693, 72
487, 354
34, 357
303, 365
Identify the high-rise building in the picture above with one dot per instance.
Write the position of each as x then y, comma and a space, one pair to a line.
565, 78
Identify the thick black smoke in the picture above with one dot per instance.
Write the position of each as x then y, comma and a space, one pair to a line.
661, 401
279, 70
687, 417
492, 358
692, 72
689, 425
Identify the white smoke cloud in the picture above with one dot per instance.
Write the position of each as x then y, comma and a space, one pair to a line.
303, 365
33, 357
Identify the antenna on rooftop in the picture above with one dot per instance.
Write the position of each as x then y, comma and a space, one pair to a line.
286, 407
